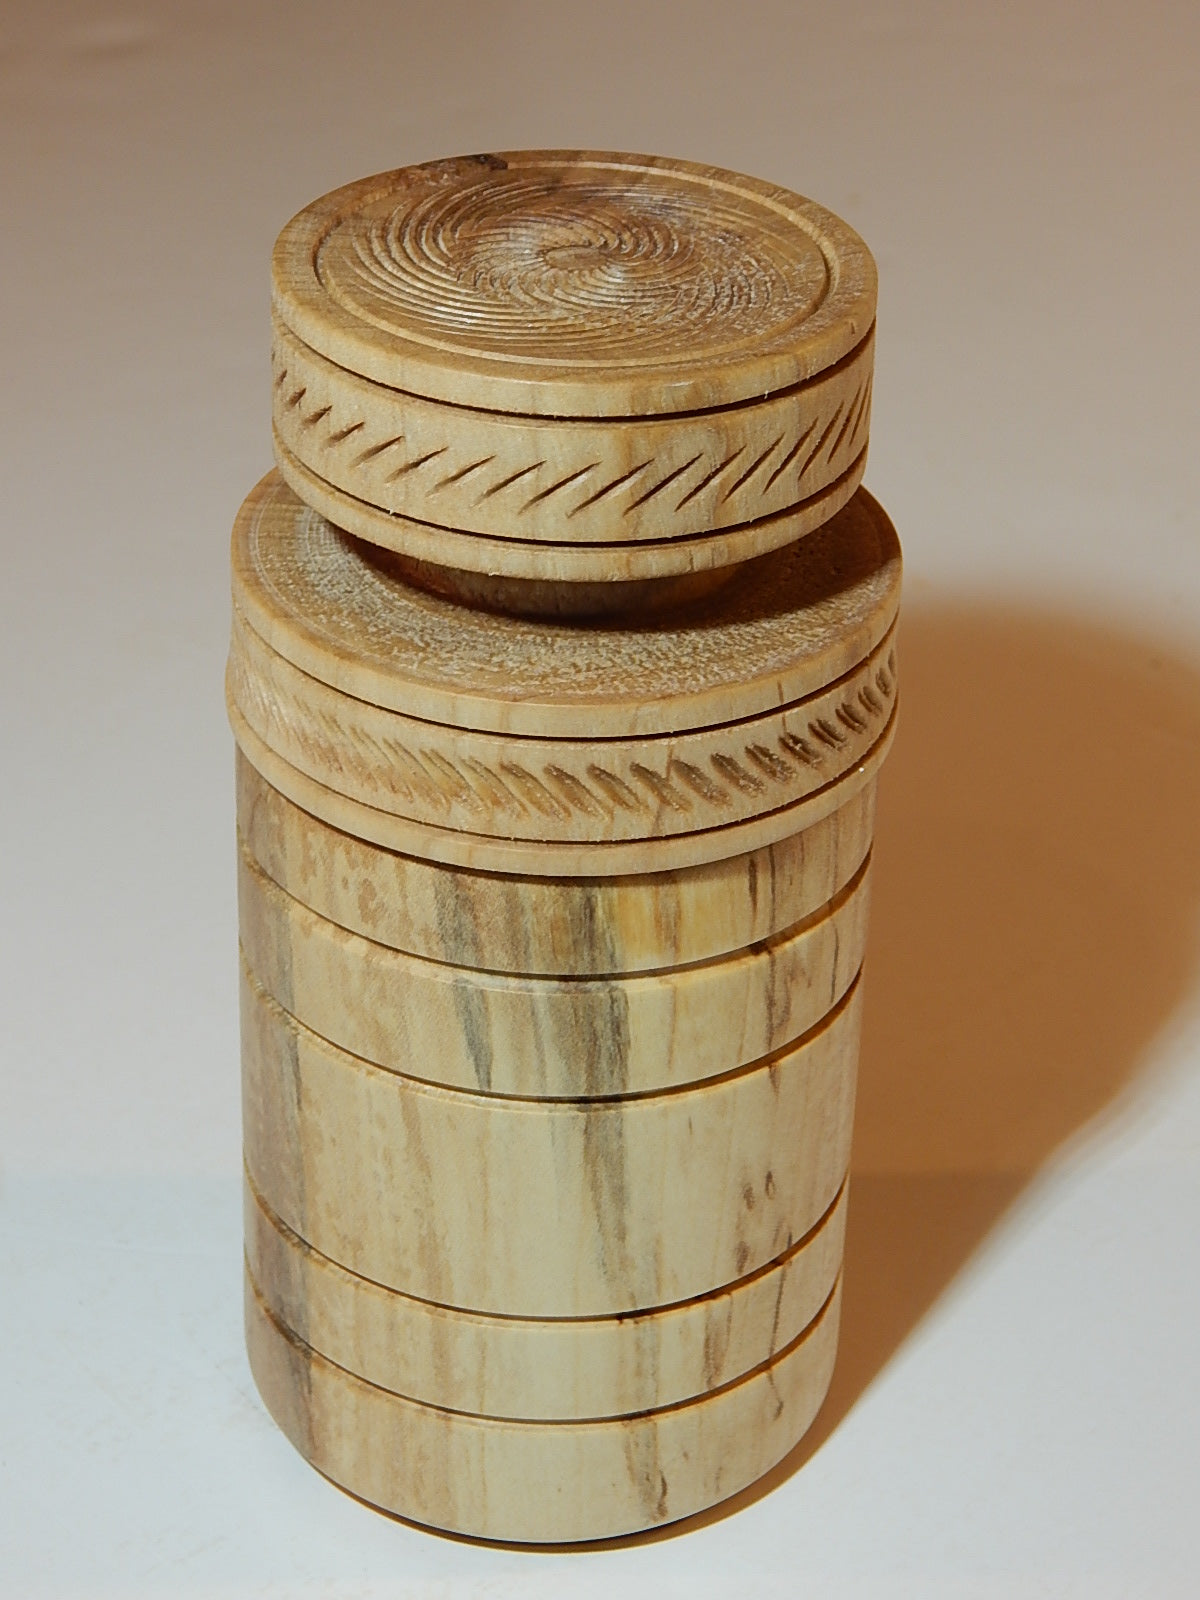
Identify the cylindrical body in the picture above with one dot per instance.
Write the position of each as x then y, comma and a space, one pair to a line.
554, 826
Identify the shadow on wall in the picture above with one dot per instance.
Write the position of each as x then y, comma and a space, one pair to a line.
1036, 884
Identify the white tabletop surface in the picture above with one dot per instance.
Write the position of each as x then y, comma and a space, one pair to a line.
1016, 1410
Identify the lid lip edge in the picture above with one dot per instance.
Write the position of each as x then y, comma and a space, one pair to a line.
494, 556
312, 315
542, 716
616, 419
643, 736
500, 855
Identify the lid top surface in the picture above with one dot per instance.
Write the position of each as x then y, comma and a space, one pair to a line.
575, 284
784, 626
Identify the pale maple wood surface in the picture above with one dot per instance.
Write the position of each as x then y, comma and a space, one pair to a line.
551, 1037
552, 926
572, 365
574, 283
553, 1369
544, 1208
565, 790
780, 629
728, 724
573, 570
536, 480
562, 859
563, 664
538, 1481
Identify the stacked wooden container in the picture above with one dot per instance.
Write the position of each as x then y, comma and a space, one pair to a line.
562, 669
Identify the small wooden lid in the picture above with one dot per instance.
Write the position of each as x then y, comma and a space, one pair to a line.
574, 284
572, 368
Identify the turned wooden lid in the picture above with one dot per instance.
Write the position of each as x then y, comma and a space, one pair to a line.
587, 366
574, 284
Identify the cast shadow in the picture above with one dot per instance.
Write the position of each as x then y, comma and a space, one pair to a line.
1036, 883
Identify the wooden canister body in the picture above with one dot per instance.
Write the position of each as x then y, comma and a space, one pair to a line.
563, 666
617, 1306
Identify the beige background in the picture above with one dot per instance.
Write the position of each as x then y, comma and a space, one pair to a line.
1017, 1404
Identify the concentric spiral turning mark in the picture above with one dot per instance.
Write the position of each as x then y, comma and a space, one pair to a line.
546, 265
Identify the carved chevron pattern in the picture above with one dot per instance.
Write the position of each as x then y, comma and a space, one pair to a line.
532, 479
408, 772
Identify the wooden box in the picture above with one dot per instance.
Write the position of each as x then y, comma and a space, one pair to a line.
563, 666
